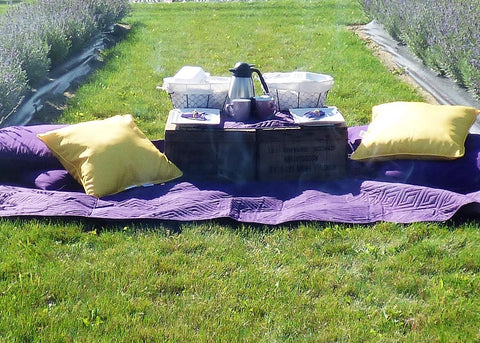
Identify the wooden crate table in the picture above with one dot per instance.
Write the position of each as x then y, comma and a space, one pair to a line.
275, 150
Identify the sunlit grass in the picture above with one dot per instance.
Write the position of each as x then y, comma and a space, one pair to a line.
274, 35
212, 282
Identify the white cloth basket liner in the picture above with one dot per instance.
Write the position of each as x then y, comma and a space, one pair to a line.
298, 89
210, 93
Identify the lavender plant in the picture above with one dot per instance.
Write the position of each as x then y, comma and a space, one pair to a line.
106, 13
80, 25
23, 38
13, 81
42, 34
443, 33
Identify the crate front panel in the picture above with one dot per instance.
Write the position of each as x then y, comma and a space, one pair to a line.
305, 153
299, 153
212, 154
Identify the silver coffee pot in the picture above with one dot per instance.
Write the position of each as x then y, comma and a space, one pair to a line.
241, 84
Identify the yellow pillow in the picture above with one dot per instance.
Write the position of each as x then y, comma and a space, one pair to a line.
416, 130
108, 156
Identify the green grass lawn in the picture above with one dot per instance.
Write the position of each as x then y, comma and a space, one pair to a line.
274, 35
100, 281
4, 4
3, 7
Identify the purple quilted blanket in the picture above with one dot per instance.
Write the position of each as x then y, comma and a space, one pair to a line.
346, 201
395, 191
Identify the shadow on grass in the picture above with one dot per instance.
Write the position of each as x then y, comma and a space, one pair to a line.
101, 225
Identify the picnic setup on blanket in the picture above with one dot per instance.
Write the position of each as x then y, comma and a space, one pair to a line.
282, 156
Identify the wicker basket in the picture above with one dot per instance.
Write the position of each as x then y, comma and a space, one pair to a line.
210, 93
298, 89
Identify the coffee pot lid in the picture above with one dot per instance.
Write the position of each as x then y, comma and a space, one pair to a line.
242, 69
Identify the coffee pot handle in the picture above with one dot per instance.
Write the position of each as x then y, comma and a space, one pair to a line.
262, 81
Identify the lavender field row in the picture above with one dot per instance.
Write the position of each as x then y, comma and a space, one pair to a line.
444, 34
35, 37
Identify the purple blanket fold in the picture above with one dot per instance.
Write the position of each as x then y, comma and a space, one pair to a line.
343, 201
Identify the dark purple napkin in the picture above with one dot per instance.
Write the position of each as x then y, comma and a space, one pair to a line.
195, 115
279, 119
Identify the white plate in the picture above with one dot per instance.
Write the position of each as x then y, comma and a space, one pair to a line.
331, 116
212, 116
